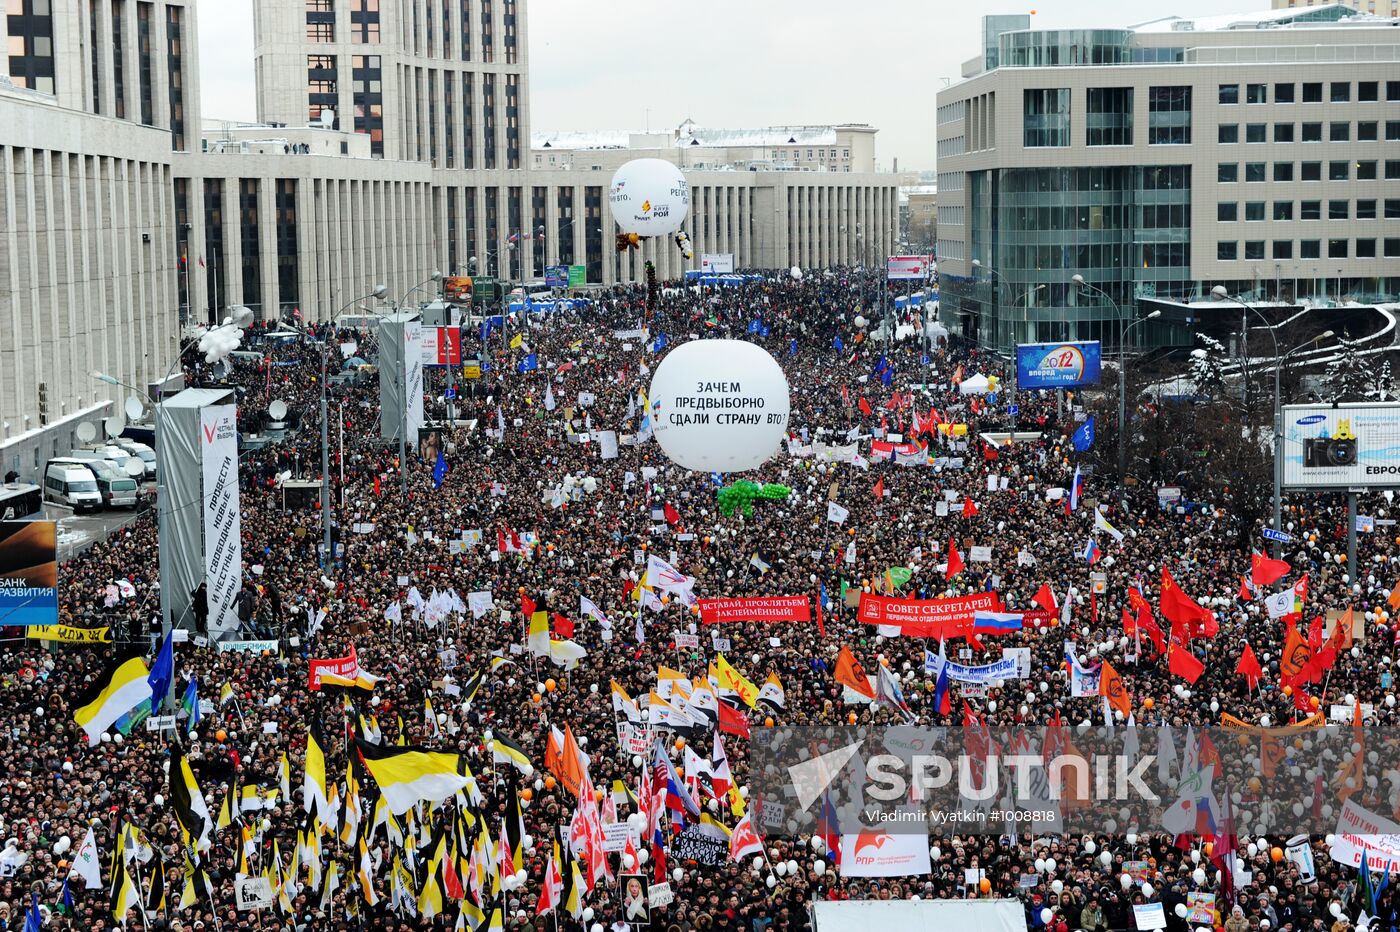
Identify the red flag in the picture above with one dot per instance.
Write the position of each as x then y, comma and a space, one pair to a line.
1315, 633
451, 882
1176, 606
1045, 598
821, 628
1249, 668
865, 406
1266, 571
955, 560
376, 485
527, 605
879, 489
989, 452
969, 508
1245, 593
673, 517
846, 396
563, 627
732, 721
893, 403
1144, 624
1185, 665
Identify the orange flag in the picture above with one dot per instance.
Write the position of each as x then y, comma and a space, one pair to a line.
1341, 632
850, 673
1111, 686
571, 771
1394, 599
1295, 656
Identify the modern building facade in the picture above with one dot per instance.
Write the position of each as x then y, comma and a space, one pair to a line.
393, 142
1254, 151
1380, 7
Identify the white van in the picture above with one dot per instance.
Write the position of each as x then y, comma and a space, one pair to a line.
125, 462
139, 450
71, 484
118, 490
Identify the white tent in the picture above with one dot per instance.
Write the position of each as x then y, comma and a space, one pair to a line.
977, 385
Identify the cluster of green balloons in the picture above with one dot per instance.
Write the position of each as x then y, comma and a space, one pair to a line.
740, 496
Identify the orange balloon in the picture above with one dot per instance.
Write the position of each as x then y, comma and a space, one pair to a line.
521, 590
1148, 703
1210, 848
1314, 702
680, 744
550, 685
527, 794
984, 885
851, 718
1276, 854
536, 698
768, 722
550, 783
598, 796
220, 735
1288, 690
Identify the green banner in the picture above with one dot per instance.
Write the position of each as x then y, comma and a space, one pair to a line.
578, 276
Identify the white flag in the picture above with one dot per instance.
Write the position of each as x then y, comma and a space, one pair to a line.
1280, 603
837, 514
394, 612
586, 606
1101, 524
851, 552
549, 397
86, 864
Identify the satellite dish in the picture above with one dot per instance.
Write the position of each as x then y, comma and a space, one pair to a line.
277, 410
135, 408
85, 433
134, 467
114, 425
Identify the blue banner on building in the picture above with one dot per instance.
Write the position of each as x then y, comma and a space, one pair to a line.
28, 573
556, 276
1058, 365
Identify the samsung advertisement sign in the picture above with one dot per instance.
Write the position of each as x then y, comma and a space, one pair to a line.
1058, 365
1341, 446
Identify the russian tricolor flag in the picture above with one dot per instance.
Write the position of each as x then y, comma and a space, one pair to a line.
996, 622
1076, 489
1092, 552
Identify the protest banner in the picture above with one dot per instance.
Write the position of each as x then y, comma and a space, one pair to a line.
782, 608
927, 618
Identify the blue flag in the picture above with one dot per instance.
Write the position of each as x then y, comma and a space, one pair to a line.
755, 325
887, 376
439, 470
659, 343
162, 672
191, 701
66, 900
33, 919
528, 364
1083, 438
792, 347
837, 345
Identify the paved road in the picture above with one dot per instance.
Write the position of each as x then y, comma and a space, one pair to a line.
77, 532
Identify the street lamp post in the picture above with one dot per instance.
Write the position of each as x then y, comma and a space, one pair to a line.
1123, 329
403, 377
1220, 293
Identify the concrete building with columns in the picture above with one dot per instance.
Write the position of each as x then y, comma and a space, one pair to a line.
393, 140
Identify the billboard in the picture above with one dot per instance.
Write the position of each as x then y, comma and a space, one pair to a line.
1341, 446
909, 267
556, 276
442, 346
28, 573
719, 262
457, 289
223, 536
578, 276
1058, 365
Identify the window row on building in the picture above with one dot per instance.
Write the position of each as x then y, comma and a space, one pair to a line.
1331, 248
440, 29
1332, 209
1313, 92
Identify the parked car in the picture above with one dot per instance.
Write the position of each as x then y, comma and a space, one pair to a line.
118, 489
139, 450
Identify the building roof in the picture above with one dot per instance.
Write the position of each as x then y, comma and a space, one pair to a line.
1328, 14
691, 134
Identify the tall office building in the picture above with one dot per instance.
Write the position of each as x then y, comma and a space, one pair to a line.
1379, 7
393, 141
1256, 151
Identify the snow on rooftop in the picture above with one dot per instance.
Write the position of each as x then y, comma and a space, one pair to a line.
1262, 19
689, 134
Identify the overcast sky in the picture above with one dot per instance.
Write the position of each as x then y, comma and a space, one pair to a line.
597, 64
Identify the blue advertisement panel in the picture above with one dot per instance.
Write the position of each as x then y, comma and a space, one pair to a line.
556, 276
28, 573
1058, 365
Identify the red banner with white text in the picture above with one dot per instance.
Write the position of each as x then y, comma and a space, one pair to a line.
927, 618
347, 667
782, 608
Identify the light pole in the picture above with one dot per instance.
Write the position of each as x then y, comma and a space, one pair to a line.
1221, 293
1123, 330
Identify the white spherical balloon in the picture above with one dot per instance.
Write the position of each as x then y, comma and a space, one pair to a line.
719, 405
649, 197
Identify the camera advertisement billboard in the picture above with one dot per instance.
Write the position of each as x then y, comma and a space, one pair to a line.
1058, 365
1341, 446
909, 267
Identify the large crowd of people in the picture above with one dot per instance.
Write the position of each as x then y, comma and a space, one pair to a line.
506, 456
